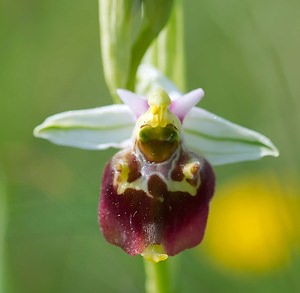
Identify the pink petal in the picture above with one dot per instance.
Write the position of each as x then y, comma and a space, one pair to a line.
136, 103
181, 106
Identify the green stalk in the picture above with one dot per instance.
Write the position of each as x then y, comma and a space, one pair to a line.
162, 277
157, 277
2, 235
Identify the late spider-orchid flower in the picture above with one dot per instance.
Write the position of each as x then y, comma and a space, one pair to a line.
155, 192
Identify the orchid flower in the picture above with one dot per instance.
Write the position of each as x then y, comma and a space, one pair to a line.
156, 191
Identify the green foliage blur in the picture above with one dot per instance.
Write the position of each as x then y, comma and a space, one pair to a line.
245, 54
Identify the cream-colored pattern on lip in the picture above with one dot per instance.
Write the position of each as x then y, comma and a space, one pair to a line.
163, 170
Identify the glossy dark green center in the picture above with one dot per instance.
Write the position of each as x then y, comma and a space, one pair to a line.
158, 143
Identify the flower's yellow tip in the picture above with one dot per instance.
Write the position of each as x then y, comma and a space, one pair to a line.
159, 98
154, 253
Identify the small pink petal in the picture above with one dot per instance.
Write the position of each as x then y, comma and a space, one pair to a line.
136, 103
181, 106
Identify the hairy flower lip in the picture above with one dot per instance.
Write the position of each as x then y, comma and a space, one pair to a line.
156, 193
175, 220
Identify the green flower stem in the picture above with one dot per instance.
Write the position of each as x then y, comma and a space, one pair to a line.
2, 234
157, 277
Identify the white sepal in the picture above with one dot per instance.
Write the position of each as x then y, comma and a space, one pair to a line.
221, 141
95, 129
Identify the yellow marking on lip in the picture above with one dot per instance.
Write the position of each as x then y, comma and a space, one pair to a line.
142, 184
189, 183
183, 186
190, 170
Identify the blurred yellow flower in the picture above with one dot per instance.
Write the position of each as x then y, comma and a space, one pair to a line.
252, 227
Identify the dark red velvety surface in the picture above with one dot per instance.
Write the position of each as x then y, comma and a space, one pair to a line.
133, 220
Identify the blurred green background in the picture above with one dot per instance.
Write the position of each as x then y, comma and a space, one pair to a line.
245, 54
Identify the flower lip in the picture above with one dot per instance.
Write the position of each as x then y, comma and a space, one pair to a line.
159, 213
